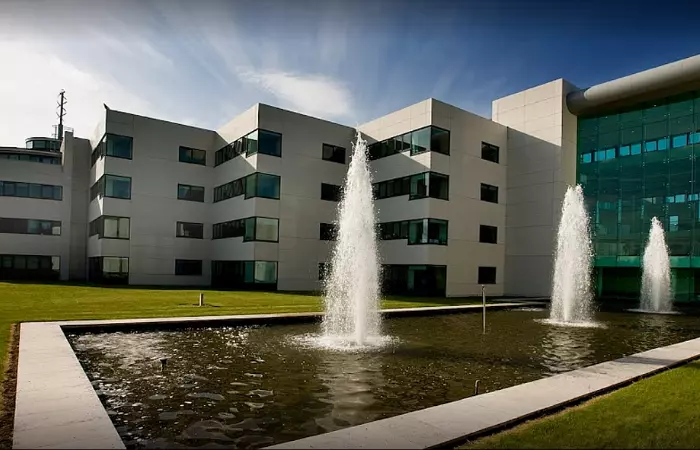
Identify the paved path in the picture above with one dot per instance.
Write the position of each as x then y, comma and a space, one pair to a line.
456, 421
56, 405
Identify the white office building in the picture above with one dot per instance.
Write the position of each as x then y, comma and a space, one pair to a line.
461, 200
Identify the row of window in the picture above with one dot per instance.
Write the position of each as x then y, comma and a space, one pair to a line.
30, 190
108, 269
52, 145
251, 229
662, 144
110, 227
119, 146
412, 279
19, 156
426, 139
115, 269
30, 226
114, 186
190, 193
421, 185
259, 141
418, 231
113, 145
244, 274
257, 184
29, 267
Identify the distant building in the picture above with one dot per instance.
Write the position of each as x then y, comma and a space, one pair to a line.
462, 200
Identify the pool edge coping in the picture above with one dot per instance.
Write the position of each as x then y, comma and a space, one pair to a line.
70, 409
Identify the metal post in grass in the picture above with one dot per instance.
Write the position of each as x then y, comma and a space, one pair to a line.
201, 299
483, 314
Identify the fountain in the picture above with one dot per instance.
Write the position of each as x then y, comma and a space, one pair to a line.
571, 285
351, 302
656, 276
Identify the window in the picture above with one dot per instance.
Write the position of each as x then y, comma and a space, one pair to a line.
327, 232
113, 186
427, 231
190, 193
30, 267
258, 141
254, 185
439, 186
108, 269
244, 274
439, 140
263, 185
31, 158
30, 226
330, 192
30, 190
118, 146
489, 193
417, 231
188, 267
189, 230
418, 141
424, 280
333, 153
487, 275
192, 156
489, 152
263, 229
110, 227
263, 141
421, 185
488, 234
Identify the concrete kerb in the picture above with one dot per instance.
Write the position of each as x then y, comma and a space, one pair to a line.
49, 369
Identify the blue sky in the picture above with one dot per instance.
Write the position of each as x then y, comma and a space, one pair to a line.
201, 63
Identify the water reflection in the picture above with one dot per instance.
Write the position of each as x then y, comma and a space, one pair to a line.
350, 379
565, 348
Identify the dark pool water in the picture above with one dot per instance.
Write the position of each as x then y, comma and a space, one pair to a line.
249, 387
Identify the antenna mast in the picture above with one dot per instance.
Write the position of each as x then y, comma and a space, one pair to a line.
61, 113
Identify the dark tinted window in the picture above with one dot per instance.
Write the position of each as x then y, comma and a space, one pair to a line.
488, 234
487, 275
489, 193
190, 230
191, 193
327, 232
188, 267
489, 152
192, 156
330, 192
333, 153
118, 146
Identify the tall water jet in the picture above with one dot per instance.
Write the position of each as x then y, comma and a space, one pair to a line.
571, 285
656, 275
352, 289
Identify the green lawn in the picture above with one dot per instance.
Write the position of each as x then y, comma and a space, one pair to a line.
659, 412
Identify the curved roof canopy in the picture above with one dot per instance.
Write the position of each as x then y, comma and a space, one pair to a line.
662, 81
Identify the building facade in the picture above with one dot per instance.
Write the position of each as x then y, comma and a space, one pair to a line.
462, 201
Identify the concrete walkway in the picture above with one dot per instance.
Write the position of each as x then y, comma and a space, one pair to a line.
457, 421
56, 405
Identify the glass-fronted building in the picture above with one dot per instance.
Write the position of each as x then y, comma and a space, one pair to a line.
636, 163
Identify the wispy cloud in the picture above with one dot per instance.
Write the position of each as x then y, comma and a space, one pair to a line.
316, 95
